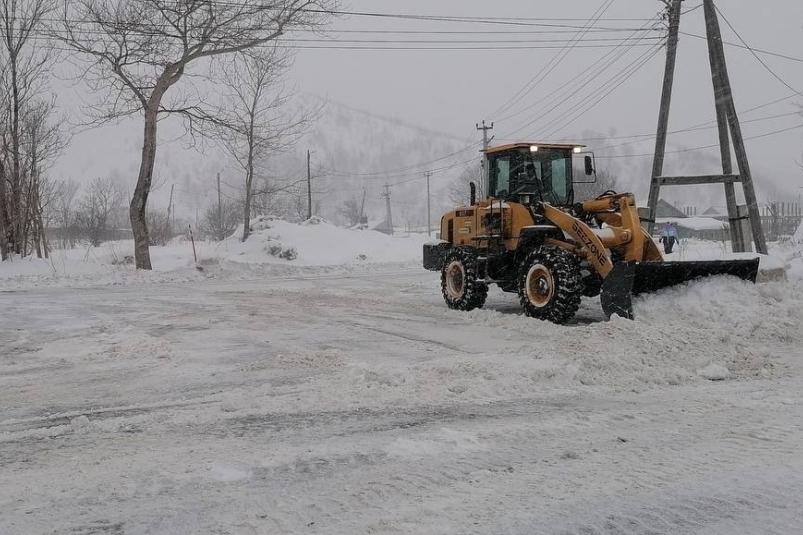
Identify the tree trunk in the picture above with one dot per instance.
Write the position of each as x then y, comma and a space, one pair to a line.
139, 200
4, 222
17, 217
249, 180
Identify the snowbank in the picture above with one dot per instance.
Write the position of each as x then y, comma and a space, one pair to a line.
317, 243
694, 223
275, 248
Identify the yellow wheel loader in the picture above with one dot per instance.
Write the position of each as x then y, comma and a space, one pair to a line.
530, 237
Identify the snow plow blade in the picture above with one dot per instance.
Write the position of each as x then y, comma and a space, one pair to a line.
628, 279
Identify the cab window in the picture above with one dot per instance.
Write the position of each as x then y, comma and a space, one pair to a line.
500, 177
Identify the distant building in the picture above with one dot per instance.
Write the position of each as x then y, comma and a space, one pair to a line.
666, 210
701, 228
384, 227
719, 213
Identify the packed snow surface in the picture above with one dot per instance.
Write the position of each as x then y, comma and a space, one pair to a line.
313, 399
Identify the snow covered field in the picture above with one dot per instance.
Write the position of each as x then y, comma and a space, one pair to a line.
350, 400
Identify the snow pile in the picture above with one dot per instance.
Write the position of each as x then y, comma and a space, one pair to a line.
797, 238
275, 248
316, 243
694, 223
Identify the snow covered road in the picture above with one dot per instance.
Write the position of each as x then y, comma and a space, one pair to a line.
349, 404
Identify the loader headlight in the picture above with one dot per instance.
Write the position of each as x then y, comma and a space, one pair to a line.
533, 148
578, 150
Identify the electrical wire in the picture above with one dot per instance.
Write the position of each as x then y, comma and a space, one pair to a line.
704, 147
616, 82
584, 74
563, 98
551, 65
756, 55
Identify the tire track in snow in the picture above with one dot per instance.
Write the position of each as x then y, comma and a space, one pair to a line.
724, 506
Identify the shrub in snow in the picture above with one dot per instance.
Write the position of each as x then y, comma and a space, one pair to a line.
289, 254
314, 220
276, 249
262, 222
714, 372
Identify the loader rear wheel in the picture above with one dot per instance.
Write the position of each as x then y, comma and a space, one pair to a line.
550, 284
592, 285
459, 280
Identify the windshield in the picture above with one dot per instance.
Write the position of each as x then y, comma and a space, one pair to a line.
546, 174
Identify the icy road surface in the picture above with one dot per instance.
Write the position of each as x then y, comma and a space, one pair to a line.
362, 405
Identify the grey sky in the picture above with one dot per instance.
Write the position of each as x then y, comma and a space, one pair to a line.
449, 91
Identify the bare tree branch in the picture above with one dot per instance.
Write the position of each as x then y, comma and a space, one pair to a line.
140, 49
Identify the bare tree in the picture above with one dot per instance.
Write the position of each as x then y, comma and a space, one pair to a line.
140, 49
459, 190
585, 189
352, 211
62, 213
220, 221
158, 227
25, 60
96, 210
254, 122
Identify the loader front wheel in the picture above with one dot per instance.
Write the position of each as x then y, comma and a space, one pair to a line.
460, 284
550, 284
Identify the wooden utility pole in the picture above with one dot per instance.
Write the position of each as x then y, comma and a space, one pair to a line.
390, 215
428, 174
723, 88
663, 114
486, 141
309, 186
169, 210
728, 123
714, 58
219, 203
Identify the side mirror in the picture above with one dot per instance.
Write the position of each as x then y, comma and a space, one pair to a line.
473, 193
589, 166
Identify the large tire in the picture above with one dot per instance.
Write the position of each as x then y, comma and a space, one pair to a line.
550, 284
460, 284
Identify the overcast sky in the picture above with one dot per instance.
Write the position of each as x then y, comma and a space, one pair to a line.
450, 91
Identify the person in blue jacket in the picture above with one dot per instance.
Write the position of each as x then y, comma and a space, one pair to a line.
669, 235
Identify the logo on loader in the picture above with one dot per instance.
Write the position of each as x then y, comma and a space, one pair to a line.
601, 257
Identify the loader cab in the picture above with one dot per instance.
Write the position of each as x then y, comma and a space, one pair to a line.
527, 172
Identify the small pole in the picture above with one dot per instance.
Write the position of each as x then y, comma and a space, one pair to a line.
485, 143
309, 187
169, 210
192, 239
428, 174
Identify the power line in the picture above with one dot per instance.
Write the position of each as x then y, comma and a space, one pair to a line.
637, 63
595, 68
615, 82
693, 149
708, 126
553, 63
414, 167
756, 55
754, 50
